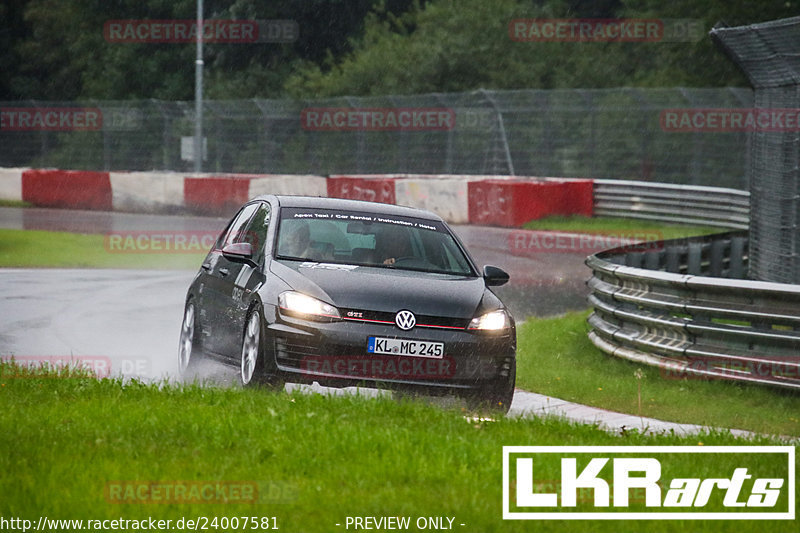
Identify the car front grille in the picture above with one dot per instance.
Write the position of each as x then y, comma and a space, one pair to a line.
423, 321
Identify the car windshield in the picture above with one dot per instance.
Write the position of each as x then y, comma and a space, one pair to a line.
370, 239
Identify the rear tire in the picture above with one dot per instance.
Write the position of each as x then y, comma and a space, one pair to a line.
189, 351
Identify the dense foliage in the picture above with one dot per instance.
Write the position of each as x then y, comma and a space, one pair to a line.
56, 49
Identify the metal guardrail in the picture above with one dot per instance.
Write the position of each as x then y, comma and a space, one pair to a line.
682, 204
662, 307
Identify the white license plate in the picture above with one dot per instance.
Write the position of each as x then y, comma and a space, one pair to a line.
384, 346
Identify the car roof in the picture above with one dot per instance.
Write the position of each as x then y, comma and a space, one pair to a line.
351, 205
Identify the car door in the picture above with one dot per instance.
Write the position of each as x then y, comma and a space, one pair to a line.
243, 278
220, 274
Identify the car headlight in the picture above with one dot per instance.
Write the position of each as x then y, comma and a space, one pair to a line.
297, 303
492, 321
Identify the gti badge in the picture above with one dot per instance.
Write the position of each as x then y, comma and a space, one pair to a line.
405, 320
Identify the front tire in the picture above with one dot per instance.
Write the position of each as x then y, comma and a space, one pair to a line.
257, 367
497, 395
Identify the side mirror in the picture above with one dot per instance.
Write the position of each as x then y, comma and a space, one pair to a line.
494, 276
240, 252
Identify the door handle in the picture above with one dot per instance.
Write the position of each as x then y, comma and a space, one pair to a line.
206, 266
223, 271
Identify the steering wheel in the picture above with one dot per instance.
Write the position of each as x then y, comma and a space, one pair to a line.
410, 261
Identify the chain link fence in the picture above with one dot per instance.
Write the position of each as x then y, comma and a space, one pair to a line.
602, 133
769, 54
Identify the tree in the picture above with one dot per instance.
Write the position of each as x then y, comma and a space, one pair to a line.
462, 45
12, 30
58, 50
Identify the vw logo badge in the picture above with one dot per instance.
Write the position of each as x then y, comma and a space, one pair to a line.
405, 320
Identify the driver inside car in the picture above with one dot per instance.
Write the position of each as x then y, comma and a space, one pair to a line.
298, 243
393, 245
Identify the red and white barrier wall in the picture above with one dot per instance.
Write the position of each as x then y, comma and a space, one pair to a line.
75, 189
223, 194
460, 199
483, 200
147, 191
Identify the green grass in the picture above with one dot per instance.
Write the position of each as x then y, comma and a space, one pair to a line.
622, 226
67, 442
14, 203
556, 358
31, 248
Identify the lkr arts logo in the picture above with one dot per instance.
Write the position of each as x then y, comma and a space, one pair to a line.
649, 482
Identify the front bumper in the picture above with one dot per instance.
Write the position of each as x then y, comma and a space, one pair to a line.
335, 354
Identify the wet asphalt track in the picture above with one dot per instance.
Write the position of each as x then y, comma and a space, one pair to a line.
127, 321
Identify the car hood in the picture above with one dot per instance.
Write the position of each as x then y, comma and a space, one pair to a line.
384, 289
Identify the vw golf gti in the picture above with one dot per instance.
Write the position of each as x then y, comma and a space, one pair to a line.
343, 293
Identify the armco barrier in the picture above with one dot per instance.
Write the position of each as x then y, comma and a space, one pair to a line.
67, 188
683, 308
11, 184
677, 204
